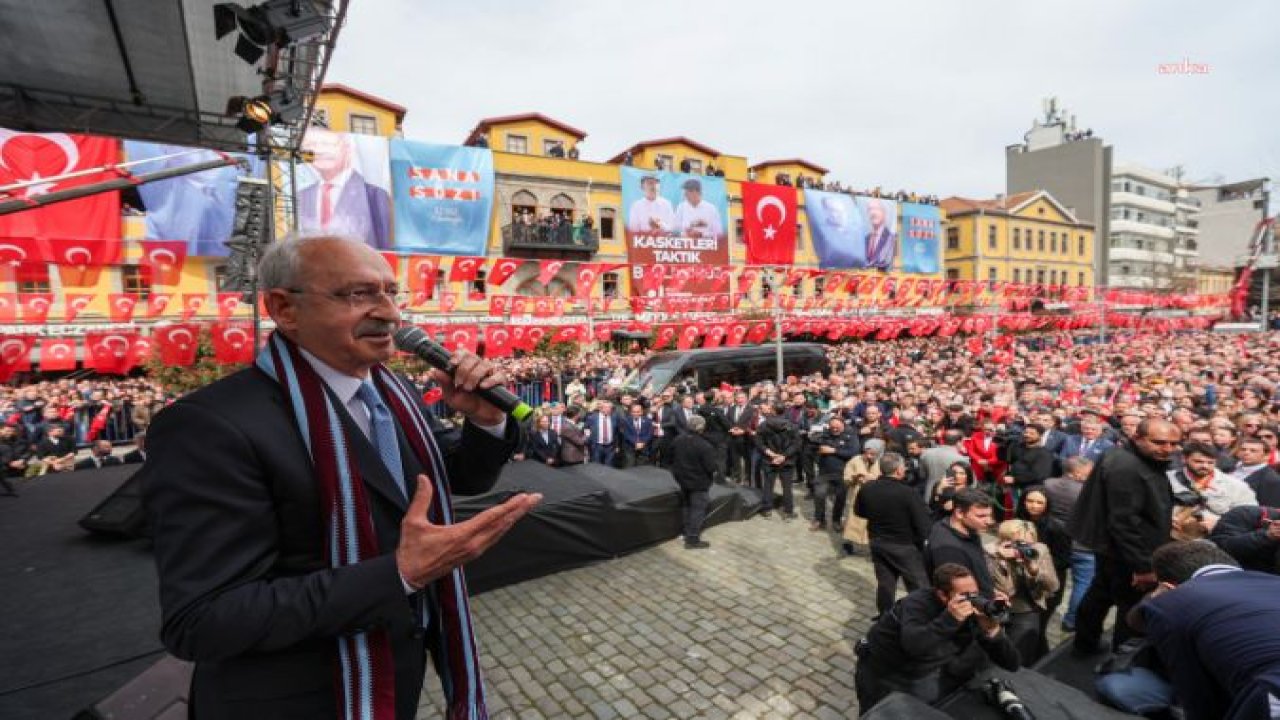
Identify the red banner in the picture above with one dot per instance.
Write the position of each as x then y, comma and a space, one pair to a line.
109, 353
461, 336
465, 269
423, 273
502, 270
35, 307
80, 262
32, 156
15, 355
769, 223
164, 259
497, 341
57, 354
120, 306
232, 343
227, 304
177, 344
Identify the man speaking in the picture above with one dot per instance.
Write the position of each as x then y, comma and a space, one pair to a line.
304, 538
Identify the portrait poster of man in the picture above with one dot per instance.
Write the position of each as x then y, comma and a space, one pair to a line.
881, 218
920, 246
197, 208
345, 188
839, 231
676, 219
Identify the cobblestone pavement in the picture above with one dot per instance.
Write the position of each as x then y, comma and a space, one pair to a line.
761, 625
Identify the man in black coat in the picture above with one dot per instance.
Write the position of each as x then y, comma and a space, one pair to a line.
835, 447
898, 524
741, 415
1251, 535
1029, 462
248, 590
544, 443
1124, 513
716, 433
99, 457
1254, 471
694, 466
957, 538
779, 442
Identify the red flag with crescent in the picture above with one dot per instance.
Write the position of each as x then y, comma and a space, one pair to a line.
15, 355
80, 261
498, 305
497, 341
192, 303
465, 269
228, 302
423, 273
177, 343
164, 259
576, 333
73, 304
664, 336
461, 336
502, 270
587, 275
109, 352
38, 161
769, 223
547, 270
759, 332
57, 354
232, 343
120, 307
158, 303
35, 307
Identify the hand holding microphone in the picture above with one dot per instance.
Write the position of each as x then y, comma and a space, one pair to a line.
473, 376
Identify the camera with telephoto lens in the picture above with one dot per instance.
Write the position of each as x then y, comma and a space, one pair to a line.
1004, 699
993, 608
1025, 550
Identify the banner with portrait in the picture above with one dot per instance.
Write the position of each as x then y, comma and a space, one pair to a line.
880, 218
345, 187
198, 208
675, 218
444, 197
921, 249
838, 229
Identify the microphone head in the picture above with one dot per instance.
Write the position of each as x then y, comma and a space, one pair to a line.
409, 337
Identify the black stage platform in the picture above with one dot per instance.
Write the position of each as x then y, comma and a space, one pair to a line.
79, 613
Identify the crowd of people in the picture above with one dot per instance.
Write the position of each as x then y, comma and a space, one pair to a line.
553, 228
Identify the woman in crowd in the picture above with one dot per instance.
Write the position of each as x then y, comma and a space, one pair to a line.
1022, 568
958, 477
1034, 508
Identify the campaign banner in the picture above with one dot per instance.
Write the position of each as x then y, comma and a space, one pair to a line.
838, 228
769, 223
675, 219
920, 239
197, 209
443, 197
345, 189
881, 218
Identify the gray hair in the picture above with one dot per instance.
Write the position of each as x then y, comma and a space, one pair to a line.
875, 445
891, 463
281, 263
697, 423
1075, 464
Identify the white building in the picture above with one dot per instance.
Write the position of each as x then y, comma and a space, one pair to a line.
1153, 235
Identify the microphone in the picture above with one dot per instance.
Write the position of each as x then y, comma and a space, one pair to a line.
412, 339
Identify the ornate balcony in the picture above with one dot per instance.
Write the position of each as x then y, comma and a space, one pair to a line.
549, 242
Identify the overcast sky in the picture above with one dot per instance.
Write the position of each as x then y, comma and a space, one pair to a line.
917, 95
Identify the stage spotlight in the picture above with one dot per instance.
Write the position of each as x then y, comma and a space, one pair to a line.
281, 107
275, 22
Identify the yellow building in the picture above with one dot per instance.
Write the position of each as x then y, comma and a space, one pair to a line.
1024, 238
1213, 279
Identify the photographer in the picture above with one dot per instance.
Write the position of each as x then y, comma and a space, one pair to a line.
1022, 568
925, 645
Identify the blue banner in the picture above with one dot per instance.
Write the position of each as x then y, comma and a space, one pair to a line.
920, 243
839, 231
197, 208
443, 197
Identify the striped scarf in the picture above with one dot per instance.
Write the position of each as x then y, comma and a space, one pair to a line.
366, 663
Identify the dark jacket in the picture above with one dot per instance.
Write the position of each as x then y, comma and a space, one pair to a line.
845, 444
1029, 465
919, 636
780, 436
94, 463
1265, 484
895, 513
1242, 533
1126, 508
543, 449
948, 546
717, 431
693, 461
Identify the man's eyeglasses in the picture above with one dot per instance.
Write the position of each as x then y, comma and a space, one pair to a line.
363, 298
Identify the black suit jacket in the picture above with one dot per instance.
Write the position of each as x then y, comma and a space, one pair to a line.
89, 464
1266, 486
541, 450
246, 589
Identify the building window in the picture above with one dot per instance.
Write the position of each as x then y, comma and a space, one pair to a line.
523, 202
1017, 239
1040, 277
553, 148
477, 285
819, 286
517, 144
1053, 277
363, 124
737, 230
1053, 242
766, 288
991, 237
953, 238
609, 283
695, 165
1124, 269
438, 286
32, 278
953, 274
799, 236
1040, 241
1080, 246
993, 275
607, 216
1017, 275
1080, 279
666, 162
135, 280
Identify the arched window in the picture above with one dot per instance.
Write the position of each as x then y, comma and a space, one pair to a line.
524, 202
562, 205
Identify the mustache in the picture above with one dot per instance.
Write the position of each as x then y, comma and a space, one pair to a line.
376, 327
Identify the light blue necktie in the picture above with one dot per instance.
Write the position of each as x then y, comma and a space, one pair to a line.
382, 431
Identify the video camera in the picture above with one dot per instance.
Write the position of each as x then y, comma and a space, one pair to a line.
1000, 695
994, 608
1026, 550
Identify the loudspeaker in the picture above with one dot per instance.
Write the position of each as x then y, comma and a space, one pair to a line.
159, 693
121, 513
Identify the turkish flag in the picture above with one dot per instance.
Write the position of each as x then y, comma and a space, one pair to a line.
192, 303
120, 307
498, 305
164, 258
177, 343
80, 261
57, 354
519, 305
520, 338
769, 223
461, 337
140, 353
73, 304
587, 274
15, 251
31, 156
604, 332
547, 270
715, 335
8, 308
227, 304
502, 270
393, 262
542, 307
570, 334
465, 269
737, 333
109, 352
232, 343
689, 334
497, 341
759, 332
15, 354
422, 273
665, 334
35, 307
448, 301
158, 303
